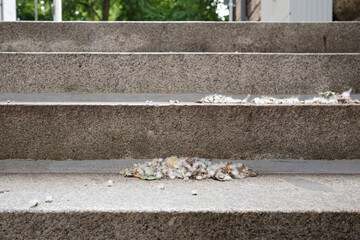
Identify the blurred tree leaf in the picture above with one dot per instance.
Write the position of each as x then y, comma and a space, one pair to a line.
123, 10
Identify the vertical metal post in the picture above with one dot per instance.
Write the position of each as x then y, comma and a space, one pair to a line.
243, 10
1, 10
57, 11
36, 10
231, 5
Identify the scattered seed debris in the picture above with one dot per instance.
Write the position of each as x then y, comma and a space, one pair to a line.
221, 99
110, 183
327, 97
49, 199
34, 203
4, 191
188, 168
227, 178
173, 101
161, 187
194, 192
148, 102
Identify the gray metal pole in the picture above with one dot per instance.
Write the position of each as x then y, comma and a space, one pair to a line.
1, 10
243, 10
57, 11
36, 10
231, 5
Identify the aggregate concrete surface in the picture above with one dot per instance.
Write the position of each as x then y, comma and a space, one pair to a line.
269, 193
112, 131
268, 166
271, 207
180, 37
232, 73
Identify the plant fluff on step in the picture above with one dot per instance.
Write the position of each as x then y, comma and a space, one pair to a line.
188, 168
327, 97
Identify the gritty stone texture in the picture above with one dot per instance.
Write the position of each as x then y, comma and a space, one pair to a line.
267, 166
101, 131
179, 37
227, 73
271, 206
199, 225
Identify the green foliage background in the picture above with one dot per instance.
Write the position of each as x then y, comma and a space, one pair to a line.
123, 10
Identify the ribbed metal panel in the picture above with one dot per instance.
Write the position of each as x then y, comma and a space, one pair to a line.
311, 10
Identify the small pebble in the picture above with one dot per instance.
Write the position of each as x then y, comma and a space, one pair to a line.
34, 203
194, 192
186, 178
48, 199
148, 102
110, 183
173, 101
161, 187
8, 101
199, 177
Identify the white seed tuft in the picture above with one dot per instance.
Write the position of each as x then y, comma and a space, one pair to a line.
34, 203
110, 183
48, 199
227, 178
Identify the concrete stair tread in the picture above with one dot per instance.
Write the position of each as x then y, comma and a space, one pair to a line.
268, 166
267, 206
124, 98
265, 193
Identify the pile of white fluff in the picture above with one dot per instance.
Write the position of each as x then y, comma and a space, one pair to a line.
216, 98
324, 98
188, 168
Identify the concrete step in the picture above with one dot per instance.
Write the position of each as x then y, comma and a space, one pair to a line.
125, 98
267, 206
111, 130
337, 37
230, 73
267, 166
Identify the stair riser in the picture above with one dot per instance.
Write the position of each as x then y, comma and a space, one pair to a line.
140, 131
179, 73
188, 225
180, 37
